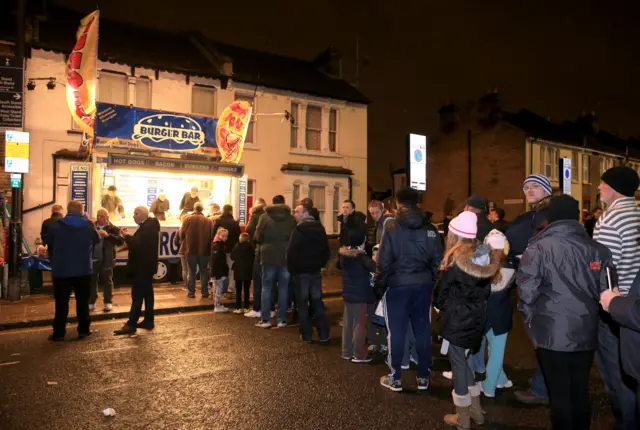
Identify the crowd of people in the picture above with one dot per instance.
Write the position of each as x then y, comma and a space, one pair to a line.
579, 296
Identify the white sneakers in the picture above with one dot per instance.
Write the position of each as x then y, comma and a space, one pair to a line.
263, 324
252, 314
221, 309
447, 375
509, 384
282, 324
273, 314
108, 307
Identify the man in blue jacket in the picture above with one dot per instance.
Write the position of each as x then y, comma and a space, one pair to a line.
71, 241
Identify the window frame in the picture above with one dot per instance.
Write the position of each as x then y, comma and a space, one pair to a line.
586, 163
337, 204
313, 130
295, 125
113, 73
211, 88
150, 83
320, 186
575, 171
333, 132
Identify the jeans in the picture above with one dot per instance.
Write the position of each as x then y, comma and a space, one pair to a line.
463, 377
184, 264
376, 335
495, 372
141, 291
354, 330
257, 283
619, 386
309, 289
567, 376
401, 305
104, 277
200, 262
240, 287
62, 288
476, 361
271, 275
538, 385
221, 286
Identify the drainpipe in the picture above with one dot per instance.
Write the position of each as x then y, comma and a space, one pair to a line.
469, 187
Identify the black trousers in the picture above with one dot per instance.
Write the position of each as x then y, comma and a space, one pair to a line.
141, 291
567, 377
242, 286
62, 288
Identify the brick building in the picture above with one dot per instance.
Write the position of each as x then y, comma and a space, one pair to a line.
488, 151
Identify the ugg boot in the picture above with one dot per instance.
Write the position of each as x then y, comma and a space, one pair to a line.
462, 418
476, 411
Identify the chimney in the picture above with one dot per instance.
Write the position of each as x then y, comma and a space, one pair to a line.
489, 108
329, 61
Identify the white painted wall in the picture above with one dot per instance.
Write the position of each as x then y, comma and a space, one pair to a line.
49, 122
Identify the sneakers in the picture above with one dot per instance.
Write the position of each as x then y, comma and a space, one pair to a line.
206, 296
238, 311
509, 384
126, 329
282, 324
367, 359
92, 308
423, 384
264, 324
191, 295
147, 325
372, 348
221, 309
447, 375
253, 314
413, 360
344, 357
390, 383
273, 314
383, 349
108, 307
529, 398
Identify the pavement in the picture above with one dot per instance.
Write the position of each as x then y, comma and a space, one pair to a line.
38, 309
204, 370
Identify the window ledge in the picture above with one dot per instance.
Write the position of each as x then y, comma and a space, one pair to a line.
251, 147
74, 132
309, 152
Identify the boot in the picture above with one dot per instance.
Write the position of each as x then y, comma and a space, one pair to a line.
476, 412
461, 419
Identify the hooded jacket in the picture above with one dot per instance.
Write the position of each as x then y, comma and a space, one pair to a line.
356, 276
242, 256
71, 242
410, 251
273, 233
626, 312
308, 250
461, 296
143, 248
256, 212
561, 276
227, 222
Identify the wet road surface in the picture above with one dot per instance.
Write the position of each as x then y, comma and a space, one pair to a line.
216, 371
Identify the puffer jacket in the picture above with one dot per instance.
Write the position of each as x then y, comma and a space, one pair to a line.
273, 234
626, 312
308, 250
380, 225
410, 251
561, 276
461, 296
356, 276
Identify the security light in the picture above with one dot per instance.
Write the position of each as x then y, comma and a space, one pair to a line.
31, 85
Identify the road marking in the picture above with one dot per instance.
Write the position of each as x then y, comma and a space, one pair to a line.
9, 363
110, 349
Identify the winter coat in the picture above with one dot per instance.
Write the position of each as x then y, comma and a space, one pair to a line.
501, 225
626, 312
256, 212
461, 296
143, 248
410, 252
104, 251
71, 240
499, 307
46, 225
273, 234
242, 256
308, 250
355, 222
484, 226
218, 267
561, 276
380, 225
196, 235
227, 222
521, 230
356, 276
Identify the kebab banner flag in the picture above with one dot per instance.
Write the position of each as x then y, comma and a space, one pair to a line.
231, 130
82, 74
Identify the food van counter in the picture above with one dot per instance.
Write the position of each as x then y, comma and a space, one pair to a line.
130, 223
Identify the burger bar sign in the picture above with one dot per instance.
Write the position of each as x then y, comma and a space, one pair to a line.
126, 127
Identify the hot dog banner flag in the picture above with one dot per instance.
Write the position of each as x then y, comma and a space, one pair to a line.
81, 74
127, 127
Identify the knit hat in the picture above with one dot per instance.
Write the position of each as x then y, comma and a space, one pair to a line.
477, 202
563, 207
497, 240
465, 225
623, 179
541, 180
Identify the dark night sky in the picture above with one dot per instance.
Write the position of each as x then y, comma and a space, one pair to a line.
555, 58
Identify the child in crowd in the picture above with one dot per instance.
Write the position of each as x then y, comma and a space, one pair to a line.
357, 293
242, 256
468, 270
219, 268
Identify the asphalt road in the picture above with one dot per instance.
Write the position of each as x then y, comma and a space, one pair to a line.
203, 370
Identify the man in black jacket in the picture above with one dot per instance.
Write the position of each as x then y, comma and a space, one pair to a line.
142, 264
104, 258
478, 205
56, 214
408, 261
308, 252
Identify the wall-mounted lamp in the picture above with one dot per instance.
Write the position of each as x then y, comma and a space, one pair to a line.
31, 85
51, 84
